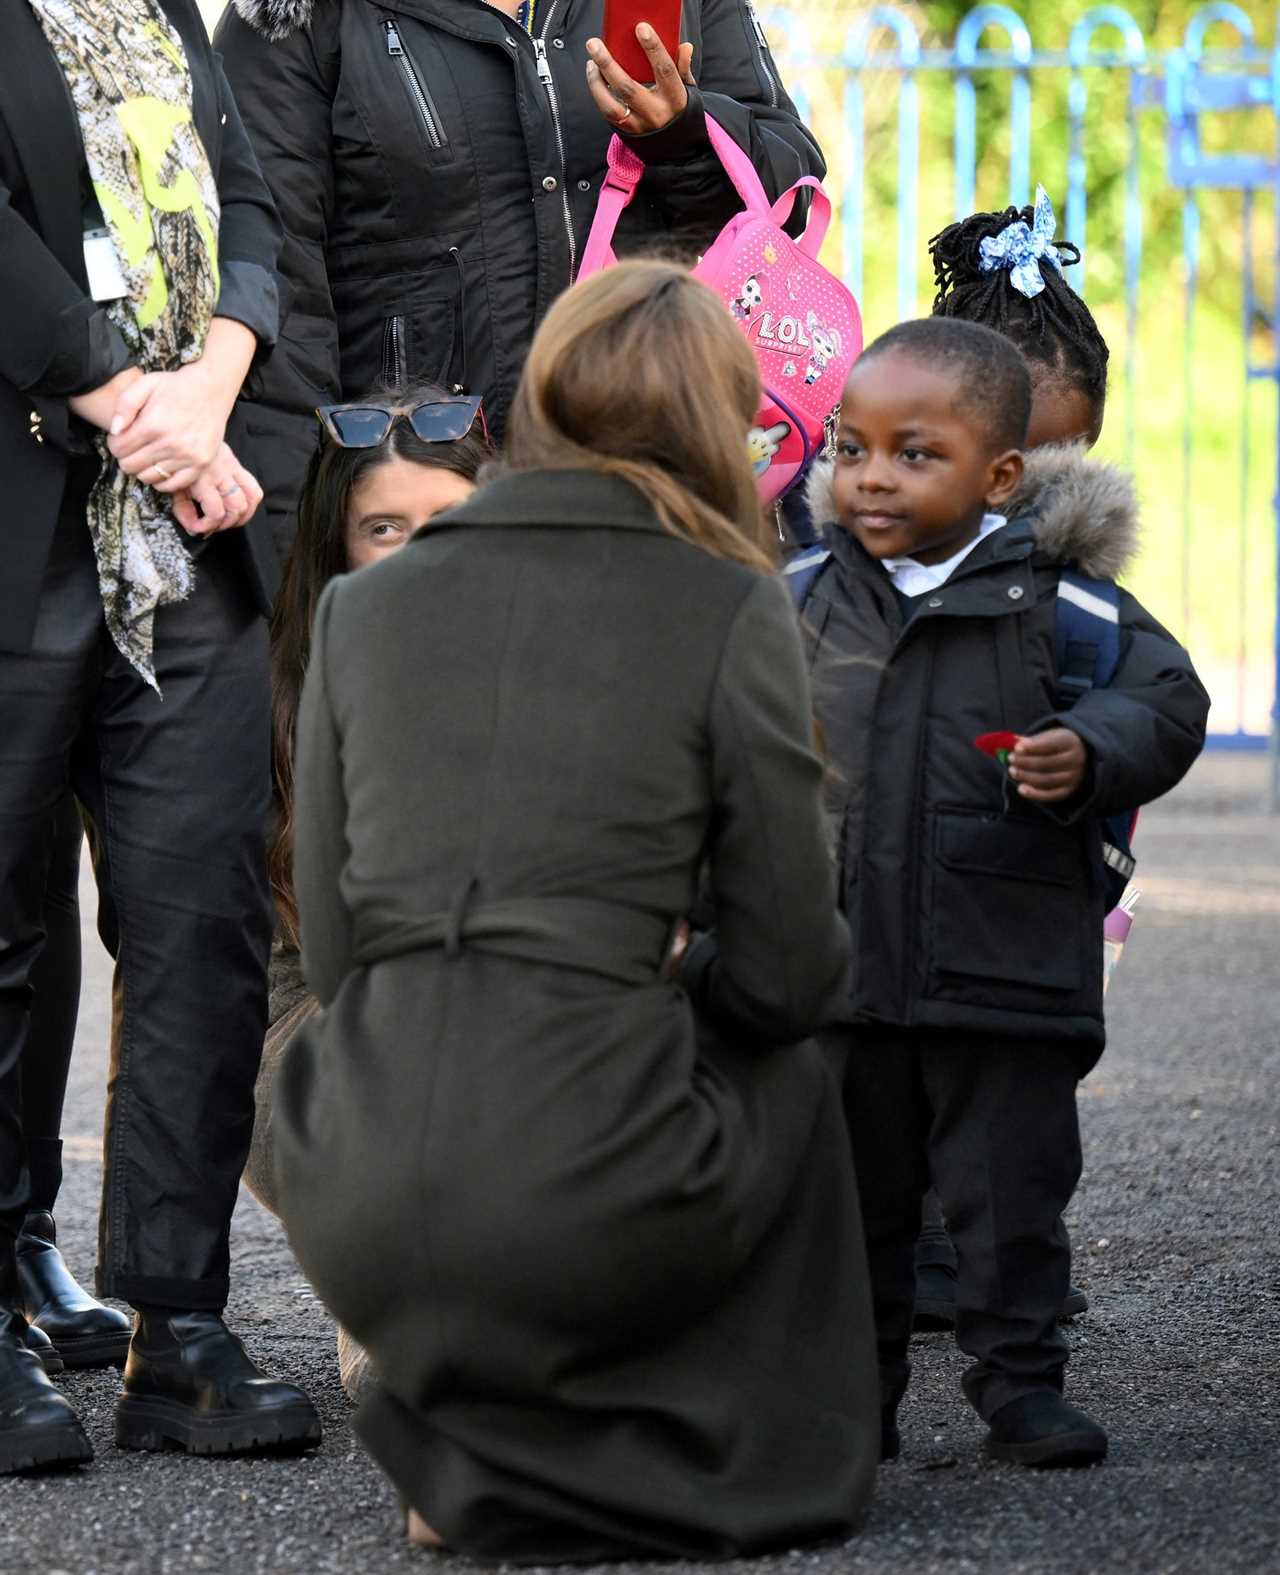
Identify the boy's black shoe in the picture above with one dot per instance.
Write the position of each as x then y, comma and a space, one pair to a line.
936, 1299
1076, 1303
1041, 1429
189, 1384
38, 1429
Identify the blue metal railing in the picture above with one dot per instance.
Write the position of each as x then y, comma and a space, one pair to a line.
1183, 84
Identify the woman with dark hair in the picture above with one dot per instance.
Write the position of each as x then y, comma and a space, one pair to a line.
437, 164
358, 505
591, 1221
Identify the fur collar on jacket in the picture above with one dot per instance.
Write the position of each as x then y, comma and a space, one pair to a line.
276, 19
1081, 510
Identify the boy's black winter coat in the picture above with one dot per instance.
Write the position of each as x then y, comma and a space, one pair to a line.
970, 908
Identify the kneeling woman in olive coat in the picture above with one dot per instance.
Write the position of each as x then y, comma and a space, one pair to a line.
597, 1227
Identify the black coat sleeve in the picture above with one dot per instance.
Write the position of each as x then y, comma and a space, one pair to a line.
739, 86
320, 810
776, 964
284, 91
55, 340
249, 234
1146, 728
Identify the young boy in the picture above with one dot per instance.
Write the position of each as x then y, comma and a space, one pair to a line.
974, 889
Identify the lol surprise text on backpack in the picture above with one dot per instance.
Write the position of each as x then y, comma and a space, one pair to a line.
800, 320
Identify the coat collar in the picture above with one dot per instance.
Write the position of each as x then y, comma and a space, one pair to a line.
276, 19
555, 498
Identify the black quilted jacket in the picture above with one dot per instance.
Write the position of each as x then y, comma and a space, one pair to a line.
437, 170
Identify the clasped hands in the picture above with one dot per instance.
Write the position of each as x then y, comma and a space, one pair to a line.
167, 429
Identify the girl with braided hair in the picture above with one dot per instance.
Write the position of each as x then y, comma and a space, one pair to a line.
1005, 271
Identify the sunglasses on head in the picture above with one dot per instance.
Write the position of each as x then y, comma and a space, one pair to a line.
366, 425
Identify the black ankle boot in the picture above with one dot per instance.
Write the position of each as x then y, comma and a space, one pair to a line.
1041, 1429
35, 1340
86, 1333
37, 1426
189, 1384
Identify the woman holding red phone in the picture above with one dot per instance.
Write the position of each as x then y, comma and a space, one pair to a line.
437, 165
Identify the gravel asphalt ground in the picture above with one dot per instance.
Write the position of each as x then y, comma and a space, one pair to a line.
1175, 1228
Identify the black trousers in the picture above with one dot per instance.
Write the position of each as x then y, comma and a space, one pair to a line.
176, 794
993, 1126
55, 1005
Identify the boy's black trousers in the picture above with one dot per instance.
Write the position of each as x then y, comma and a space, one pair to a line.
992, 1125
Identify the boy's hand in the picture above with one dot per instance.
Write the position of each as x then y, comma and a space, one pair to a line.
1050, 767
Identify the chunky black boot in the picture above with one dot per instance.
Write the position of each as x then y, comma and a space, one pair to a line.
86, 1333
189, 1384
1041, 1429
35, 1340
37, 1426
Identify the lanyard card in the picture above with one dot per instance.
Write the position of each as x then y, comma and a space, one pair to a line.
102, 264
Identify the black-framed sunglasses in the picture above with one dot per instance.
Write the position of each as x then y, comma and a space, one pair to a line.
365, 425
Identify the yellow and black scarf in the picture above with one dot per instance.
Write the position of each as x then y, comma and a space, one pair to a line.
125, 66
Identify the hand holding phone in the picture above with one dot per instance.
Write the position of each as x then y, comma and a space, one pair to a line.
621, 96
622, 17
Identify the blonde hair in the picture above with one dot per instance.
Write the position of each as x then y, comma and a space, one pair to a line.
640, 372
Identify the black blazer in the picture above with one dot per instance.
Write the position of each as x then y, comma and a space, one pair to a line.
55, 341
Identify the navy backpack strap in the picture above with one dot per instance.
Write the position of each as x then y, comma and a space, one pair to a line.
1087, 640
802, 572
1086, 635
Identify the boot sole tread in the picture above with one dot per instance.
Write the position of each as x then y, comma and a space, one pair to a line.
44, 1448
95, 1350
1085, 1448
155, 1425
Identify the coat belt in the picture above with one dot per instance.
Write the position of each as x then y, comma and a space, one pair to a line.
579, 933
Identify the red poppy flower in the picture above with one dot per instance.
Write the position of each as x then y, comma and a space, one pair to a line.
998, 745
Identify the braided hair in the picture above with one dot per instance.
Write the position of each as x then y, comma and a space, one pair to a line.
1054, 330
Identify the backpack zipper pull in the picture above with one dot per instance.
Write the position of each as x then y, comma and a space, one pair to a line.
755, 23
394, 47
544, 65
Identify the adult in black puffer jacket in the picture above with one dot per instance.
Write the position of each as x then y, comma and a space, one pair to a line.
437, 168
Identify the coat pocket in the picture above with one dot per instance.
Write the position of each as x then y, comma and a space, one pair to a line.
1009, 901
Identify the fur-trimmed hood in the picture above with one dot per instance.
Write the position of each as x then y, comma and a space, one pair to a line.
1081, 510
276, 19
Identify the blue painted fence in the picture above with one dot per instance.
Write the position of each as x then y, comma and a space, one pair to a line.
1231, 79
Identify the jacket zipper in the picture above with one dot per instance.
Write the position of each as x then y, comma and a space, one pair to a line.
428, 114
393, 351
548, 82
763, 45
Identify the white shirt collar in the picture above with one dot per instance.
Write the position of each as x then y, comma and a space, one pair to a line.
914, 579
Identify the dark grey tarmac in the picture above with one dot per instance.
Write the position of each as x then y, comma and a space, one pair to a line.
1175, 1228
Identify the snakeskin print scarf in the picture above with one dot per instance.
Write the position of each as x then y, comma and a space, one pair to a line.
125, 66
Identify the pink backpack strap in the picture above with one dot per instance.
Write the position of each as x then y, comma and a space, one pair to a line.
623, 174
625, 170
739, 168
810, 243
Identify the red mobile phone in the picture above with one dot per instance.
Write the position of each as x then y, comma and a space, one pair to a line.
622, 17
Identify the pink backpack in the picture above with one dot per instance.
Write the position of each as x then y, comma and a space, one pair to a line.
802, 323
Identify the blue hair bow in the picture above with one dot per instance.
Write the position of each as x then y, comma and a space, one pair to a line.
1020, 248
